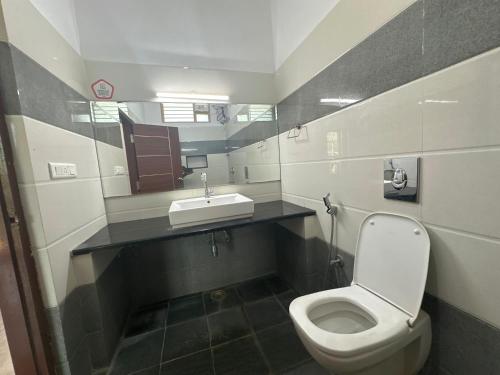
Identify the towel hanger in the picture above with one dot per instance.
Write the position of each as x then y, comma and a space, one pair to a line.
294, 132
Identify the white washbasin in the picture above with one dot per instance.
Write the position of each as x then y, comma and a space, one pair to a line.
206, 210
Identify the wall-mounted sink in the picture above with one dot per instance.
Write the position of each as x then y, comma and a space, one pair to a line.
202, 210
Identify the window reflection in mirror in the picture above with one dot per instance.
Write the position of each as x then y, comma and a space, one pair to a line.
146, 147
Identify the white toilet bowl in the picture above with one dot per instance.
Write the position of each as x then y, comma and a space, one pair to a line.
375, 326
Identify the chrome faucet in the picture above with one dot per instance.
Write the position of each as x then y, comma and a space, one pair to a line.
208, 191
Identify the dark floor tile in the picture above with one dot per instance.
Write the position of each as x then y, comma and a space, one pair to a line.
145, 321
185, 338
184, 308
308, 368
254, 290
227, 325
199, 363
149, 371
277, 285
220, 299
138, 352
239, 357
286, 298
282, 347
265, 313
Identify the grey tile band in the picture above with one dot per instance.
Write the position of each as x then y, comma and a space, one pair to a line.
455, 30
426, 37
29, 89
8, 86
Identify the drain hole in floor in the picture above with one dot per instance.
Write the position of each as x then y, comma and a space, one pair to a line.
218, 295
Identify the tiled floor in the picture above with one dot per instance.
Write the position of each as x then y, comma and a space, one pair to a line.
243, 330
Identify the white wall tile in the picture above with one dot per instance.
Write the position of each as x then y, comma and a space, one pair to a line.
312, 226
36, 143
390, 124
463, 271
89, 267
261, 158
348, 221
354, 183
139, 214
217, 172
32, 215
83, 268
321, 139
264, 198
146, 201
460, 105
461, 190
3, 31
251, 190
67, 206
109, 157
116, 186
263, 173
310, 180
386, 124
49, 143
45, 277
20, 148
64, 275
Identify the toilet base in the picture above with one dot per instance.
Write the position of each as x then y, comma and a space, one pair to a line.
397, 364
405, 357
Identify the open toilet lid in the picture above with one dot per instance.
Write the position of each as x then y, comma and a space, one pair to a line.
392, 257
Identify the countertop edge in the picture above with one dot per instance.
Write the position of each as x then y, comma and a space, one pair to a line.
84, 249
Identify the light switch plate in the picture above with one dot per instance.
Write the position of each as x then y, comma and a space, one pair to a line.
62, 170
401, 177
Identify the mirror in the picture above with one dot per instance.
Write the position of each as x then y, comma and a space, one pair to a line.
146, 147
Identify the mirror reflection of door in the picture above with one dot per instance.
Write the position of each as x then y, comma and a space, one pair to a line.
153, 156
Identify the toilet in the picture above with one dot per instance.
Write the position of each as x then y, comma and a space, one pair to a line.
375, 326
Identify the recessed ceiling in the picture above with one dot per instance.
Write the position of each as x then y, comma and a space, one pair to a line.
244, 35
211, 34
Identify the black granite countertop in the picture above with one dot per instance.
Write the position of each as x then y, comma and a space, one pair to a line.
137, 231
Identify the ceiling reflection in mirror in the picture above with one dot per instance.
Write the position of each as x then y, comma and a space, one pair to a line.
146, 147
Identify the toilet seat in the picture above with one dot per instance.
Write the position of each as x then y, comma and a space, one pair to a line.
390, 323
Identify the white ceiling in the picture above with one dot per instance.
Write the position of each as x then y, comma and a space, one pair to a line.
243, 35
293, 21
211, 34
61, 14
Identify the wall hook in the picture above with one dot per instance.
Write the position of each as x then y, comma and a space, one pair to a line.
294, 132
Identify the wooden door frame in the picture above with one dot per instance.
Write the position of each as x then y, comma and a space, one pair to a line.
128, 131
21, 302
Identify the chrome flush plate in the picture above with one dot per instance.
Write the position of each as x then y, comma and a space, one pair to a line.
401, 179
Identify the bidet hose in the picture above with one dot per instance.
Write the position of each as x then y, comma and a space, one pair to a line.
333, 254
